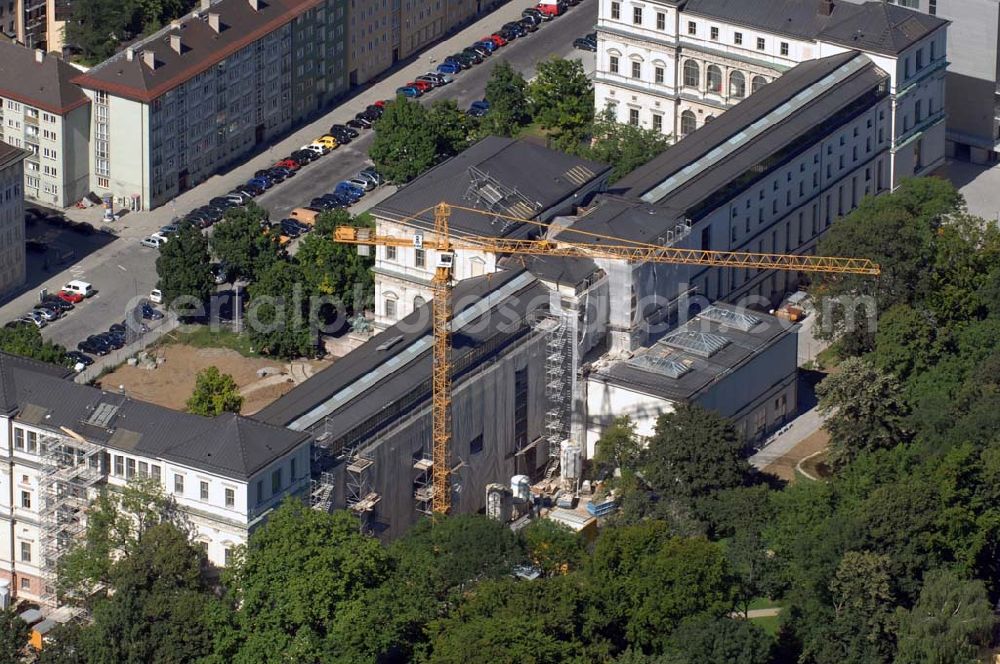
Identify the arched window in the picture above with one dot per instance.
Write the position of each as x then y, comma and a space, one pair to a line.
714, 79
709, 118
737, 85
757, 83
688, 123
418, 302
692, 74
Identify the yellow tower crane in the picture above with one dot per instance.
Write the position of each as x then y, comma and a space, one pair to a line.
445, 245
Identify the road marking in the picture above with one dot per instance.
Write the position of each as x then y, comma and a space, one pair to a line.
122, 268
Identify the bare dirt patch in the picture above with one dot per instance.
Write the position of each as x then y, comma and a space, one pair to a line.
784, 466
170, 384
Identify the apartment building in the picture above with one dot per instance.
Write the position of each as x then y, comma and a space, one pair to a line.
675, 65
204, 92
35, 23
770, 175
973, 126
61, 443
384, 32
44, 112
12, 265
506, 177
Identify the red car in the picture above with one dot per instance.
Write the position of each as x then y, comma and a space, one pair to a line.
290, 164
72, 298
380, 103
420, 85
496, 39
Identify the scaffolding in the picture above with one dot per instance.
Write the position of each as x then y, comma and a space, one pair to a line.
489, 194
70, 473
423, 484
558, 384
321, 492
361, 498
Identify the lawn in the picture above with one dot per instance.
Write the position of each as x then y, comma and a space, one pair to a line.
768, 623
203, 336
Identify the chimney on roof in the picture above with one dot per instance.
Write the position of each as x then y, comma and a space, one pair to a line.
255, 5
175, 43
825, 7
213, 21
39, 55
129, 54
149, 59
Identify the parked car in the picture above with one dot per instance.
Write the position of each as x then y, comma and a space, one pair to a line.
70, 296
365, 184
300, 225
315, 148
33, 318
56, 301
153, 242
498, 39
282, 172
450, 67
461, 59
408, 91
94, 346
149, 312
515, 28
236, 199
530, 22
535, 11
79, 287
342, 136
480, 105
475, 55
585, 44
487, 44
372, 177
47, 313
289, 163
76, 358
328, 141
221, 202
441, 79
156, 296
303, 156
112, 339
344, 129
322, 203
483, 50
348, 191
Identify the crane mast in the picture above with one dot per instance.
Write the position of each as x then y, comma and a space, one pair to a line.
445, 245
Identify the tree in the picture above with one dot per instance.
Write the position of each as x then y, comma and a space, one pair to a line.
906, 342
451, 127
239, 241
288, 583
278, 317
98, 27
618, 447
864, 410
626, 147
405, 142
214, 393
950, 623
13, 636
692, 454
182, 266
563, 100
116, 521
721, 639
552, 547
25, 340
333, 270
507, 94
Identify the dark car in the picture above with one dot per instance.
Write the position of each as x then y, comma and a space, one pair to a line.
221, 202
461, 59
479, 48
530, 22
282, 172
51, 300
475, 55
337, 200
76, 357
289, 229
516, 28
149, 312
252, 189
113, 339
95, 345
303, 156
343, 129
356, 124
302, 226
585, 44
322, 203
537, 13
375, 111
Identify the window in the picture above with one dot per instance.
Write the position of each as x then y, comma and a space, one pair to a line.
276, 481
757, 83
637, 15
204, 490
737, 85
26, 552
119, 466
227, 555
26, 499
476, 445
636, 70
920, 110
390, 307
418, 302
713, 32
784, 48
692, 74
32, 442
658, 75
688, 123
713, 77
155, 474
260, 491
230, 498
920, 59
419, 259
613, 64
657, 123
616, 10
738, 38
390, 253
760, 43
692, 28
129, 468
143, 469
18, 438
26, 584
293, 470
633, 116
178, 484
661, 21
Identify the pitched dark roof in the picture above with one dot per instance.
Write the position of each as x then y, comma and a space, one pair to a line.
201, 47
394, 368
558, 270
542, 177
9, 155
884, 28
229, 445
47, 85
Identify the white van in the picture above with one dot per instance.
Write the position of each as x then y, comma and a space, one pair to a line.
79, 287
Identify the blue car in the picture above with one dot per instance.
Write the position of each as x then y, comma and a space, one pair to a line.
348, 191
480, 104
409, 91
449, 68
487, 44
263, 183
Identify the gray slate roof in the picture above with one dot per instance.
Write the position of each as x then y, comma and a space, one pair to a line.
873, 26
47, 84
229, 445
542, 176
559, 270
9, 155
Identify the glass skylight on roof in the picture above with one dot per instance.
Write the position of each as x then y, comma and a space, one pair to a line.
666, 364
739, 320
701, 344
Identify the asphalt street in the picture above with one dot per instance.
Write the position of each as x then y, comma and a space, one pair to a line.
552, 39
123, 270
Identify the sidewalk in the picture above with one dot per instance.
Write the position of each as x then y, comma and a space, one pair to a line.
139, 224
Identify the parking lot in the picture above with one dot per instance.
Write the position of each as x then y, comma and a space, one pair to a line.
122, 270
